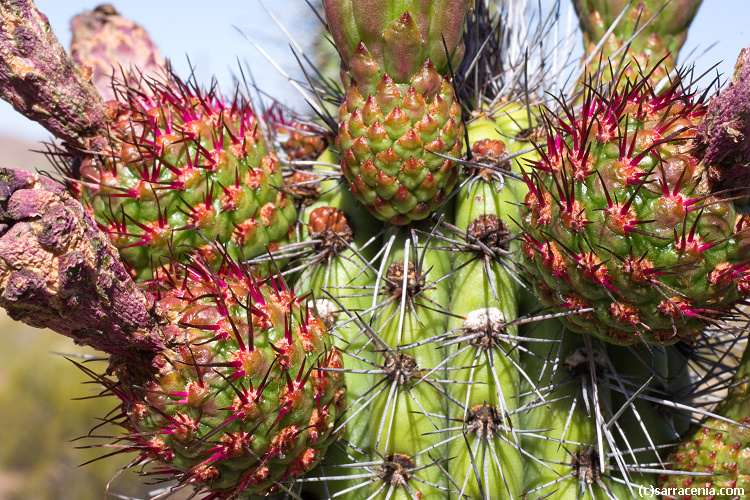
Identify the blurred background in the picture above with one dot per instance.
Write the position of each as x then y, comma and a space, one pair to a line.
38, 414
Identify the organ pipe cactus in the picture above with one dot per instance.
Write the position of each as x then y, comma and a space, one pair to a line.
511, 297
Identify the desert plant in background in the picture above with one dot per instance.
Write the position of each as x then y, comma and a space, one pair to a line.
473, 281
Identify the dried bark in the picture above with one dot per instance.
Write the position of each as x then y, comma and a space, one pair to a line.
726, 129
59, 271
111, 46
41, 81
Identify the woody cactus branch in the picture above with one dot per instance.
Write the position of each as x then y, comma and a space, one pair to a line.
59, 271
111, 46
725, 130
38, 77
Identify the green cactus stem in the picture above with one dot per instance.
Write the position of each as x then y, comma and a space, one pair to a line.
400, 125
715, 456
649, 31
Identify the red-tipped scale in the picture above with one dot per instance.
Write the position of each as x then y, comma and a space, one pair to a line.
182, 167
246, 395
400, 125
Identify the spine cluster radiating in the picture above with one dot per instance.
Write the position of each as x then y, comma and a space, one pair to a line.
621, 227
247, 393
185, 168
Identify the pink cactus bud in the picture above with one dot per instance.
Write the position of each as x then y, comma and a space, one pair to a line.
112, 46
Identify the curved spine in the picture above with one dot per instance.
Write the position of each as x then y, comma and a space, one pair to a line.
567, 440
340, 283
485, 452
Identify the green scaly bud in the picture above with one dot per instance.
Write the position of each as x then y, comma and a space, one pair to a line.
400, 124
654, 30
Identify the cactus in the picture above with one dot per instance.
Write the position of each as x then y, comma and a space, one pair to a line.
643, 36
399, 117
248, 392
616, 205
504, 293
110, 47
182, 167
717, 448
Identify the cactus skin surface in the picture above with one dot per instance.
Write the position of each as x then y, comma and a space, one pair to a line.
41, 81
109, 46
726, 128
59, 271
651, 33
399, 124
454, 392
720, 446
392, 142
621, 225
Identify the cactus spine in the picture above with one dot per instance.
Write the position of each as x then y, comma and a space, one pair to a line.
460, 383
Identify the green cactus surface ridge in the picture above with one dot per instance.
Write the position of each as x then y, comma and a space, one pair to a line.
647, 37
399, 36
651, 23
718, 451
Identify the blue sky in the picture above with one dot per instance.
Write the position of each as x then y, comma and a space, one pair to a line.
205, 32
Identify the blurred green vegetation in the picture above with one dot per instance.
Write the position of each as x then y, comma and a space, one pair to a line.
39, 418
